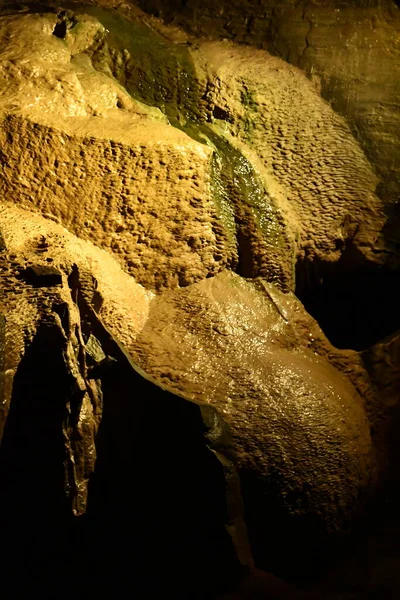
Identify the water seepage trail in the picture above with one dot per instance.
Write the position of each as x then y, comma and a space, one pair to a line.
160, 73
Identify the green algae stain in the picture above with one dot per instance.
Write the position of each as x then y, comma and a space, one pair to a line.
226, 208
156, 71
244, 184
248, 100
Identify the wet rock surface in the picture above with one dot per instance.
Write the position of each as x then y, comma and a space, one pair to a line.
172, 418
303, 444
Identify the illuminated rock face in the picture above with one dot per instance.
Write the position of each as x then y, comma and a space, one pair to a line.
101, 164
148, 258
299, 427
349, 49
94, 453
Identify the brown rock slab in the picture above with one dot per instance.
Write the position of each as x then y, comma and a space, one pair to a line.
300, 430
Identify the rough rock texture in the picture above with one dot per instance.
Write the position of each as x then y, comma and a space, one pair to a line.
37, 271
301, 434
32, 240
239, 429
318, 188
303, 147
350, 49
126, 181
266, 122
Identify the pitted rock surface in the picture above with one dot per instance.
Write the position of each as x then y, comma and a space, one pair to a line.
323, 182
120, 177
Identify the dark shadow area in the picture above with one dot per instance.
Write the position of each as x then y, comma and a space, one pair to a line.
11, 7
157, 502
301, 551
355, 303
35, 521
2, 354
60, 30
391, 230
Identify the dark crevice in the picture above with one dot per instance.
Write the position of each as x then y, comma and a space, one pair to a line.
354, 302
62, 310
35, 518
66, 20
221, 114
60, 30
2, 361
249, 214
246, 267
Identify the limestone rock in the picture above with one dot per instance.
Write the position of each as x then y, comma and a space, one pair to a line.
50, 412
267, 124
33, 240
353, 54
288, 187
300, 430
125, 180
349, 50
43, 346
311, 163
167, 412
93, 452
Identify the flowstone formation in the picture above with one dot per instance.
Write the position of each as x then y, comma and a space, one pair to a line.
349, 48
171, 416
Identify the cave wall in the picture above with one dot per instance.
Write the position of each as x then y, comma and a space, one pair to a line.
350, 49
228, 407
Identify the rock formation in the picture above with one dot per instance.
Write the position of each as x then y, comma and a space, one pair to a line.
163, 198
350, 49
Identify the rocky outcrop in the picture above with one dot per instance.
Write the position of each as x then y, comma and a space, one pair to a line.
96, 163
41, 323
302, 147
301, 434
266, 186
93, 452
160, 383
272, 412
349, 49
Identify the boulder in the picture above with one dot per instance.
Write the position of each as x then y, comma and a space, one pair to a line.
300, 430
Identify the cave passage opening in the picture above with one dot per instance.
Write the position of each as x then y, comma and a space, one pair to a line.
355, 302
